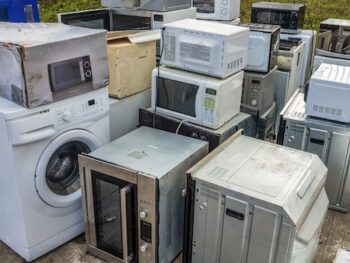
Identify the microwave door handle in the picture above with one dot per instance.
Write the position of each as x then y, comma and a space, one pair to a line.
123, 193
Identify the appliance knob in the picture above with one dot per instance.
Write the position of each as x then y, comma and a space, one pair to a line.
67, 116
143, 214
143, 248
254, 102
194, 135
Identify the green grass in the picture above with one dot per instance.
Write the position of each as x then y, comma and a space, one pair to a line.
318, 10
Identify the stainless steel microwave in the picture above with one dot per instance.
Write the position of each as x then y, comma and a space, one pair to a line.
152, 5
133, 198
116, 19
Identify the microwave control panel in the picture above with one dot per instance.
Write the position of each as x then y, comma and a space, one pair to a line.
253, 94
209, 105
147, 218
224, 10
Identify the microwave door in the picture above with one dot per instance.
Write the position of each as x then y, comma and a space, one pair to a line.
95, 19
114, 217
124, 19
205, 6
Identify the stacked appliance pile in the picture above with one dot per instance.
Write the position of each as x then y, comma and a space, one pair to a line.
54, 106
321, 126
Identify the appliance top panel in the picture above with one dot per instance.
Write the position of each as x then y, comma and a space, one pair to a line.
333, 73
211, 27
261, 27
278, 6
33, 34
296, 109
257, 169
336, 22
150, 151
10, 110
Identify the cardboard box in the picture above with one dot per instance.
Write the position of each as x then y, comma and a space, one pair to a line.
132, 57
42, 63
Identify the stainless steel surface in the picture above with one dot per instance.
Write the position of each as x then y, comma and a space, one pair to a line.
152, 5
331, 141
258, 91
154, 162
269, 197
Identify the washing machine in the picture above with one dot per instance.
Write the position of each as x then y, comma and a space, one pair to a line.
40, 196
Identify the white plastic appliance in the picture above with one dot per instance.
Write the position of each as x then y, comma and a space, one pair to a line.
319, 59
40, 196
218, 9
329, 93
263, 47
206, 47
196, 98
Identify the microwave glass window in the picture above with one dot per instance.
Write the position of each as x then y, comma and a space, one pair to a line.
108, 217
204, 6
94, 23
177, 96
67, 73
263, 17
127, 22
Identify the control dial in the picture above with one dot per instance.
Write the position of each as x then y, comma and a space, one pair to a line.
144, 248
143, 214
67, 116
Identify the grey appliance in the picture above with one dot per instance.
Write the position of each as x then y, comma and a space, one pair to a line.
331, 141
263, 47
152, 5
308, 37
265, 124
247, 122
258, 91
292, 125
132, 195
289, 16
255, 202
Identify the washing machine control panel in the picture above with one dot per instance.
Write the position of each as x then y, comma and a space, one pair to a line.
77, 112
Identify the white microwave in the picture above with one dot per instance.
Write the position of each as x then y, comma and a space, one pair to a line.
217, 9
196, 98
264, 41
206, 47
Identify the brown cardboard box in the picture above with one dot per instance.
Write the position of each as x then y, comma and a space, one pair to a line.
131, 57
42, 63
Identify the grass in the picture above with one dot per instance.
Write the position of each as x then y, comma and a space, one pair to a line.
318, 10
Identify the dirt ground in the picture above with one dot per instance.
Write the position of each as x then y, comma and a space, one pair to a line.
335, 235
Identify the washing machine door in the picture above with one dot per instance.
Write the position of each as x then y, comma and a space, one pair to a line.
57, 176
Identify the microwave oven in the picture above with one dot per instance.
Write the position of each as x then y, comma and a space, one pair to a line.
152, 5
255, 201
206, 47
258, 91
132, 193
217, 9
263, 47
289, 16
196, 98
329, 93
339, 30
117, 19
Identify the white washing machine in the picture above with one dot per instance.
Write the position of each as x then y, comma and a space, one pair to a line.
40, 196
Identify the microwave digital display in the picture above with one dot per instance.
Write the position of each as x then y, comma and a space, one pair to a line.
69, 73
204, 6
177, 96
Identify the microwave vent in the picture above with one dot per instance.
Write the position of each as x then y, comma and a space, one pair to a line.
328, 110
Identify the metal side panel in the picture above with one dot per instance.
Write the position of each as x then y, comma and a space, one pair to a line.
207, 224
336, 163
264, 236
317, 142
284, 243
235, 234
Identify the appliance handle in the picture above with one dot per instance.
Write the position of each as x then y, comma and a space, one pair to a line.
124, 210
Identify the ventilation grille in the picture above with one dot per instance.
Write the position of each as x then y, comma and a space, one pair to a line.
328, 110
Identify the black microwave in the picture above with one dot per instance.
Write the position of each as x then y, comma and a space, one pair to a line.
289, 16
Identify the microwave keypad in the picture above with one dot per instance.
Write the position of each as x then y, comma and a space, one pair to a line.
254, 95
209, 107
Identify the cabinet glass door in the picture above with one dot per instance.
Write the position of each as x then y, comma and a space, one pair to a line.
115, 213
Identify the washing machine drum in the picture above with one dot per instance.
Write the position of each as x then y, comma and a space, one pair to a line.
62, 172
57, 177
